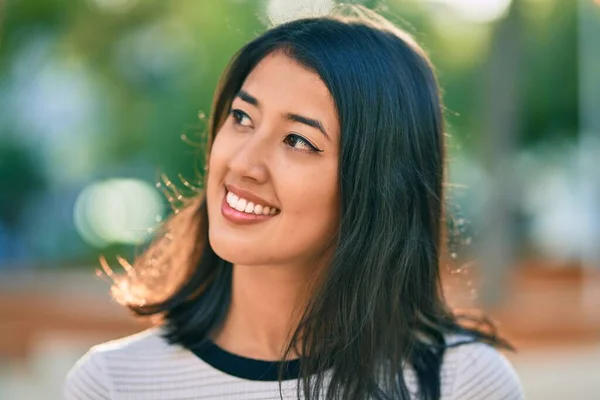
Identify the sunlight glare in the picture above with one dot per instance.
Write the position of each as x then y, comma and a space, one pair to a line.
281, 11
480, 11
115, 5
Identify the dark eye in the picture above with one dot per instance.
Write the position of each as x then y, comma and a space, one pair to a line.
298, 142
239, 116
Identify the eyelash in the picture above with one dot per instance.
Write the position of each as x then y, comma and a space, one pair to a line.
238, 115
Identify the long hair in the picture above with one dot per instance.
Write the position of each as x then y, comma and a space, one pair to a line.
379, 307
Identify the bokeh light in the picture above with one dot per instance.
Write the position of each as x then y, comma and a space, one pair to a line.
477, 10
116, 211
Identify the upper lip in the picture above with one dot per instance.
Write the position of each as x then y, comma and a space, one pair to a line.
248, 195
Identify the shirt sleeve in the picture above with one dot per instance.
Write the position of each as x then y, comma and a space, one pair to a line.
485, 374
87, 380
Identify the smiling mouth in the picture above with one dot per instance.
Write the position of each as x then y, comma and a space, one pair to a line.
250, 212
242, 205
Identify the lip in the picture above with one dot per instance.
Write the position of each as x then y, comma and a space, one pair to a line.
248, 196
239, 217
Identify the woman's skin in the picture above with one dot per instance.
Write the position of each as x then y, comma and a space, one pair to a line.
262, 150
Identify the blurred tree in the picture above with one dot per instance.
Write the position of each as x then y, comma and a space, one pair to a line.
501, 121
549, 77
21, 179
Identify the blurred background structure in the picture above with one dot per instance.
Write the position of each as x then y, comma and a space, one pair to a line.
99, 98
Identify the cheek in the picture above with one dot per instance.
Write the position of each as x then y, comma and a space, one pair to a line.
312, 205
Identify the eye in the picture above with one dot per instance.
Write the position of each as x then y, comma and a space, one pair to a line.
300, 143
239, 116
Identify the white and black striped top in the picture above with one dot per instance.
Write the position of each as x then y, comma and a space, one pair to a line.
145, 366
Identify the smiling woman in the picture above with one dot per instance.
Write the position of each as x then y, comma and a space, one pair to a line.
309, 267
273, 154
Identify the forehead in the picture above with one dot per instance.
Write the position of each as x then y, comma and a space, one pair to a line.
281, 84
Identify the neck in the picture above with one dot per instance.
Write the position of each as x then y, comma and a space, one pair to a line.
264, 311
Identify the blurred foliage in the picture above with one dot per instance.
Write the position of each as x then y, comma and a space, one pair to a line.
141, 73
16, 189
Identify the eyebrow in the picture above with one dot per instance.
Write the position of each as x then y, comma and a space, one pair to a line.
314, 123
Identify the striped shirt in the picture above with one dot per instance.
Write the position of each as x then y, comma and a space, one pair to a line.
145, 366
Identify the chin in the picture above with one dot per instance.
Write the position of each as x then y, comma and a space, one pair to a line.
237, 252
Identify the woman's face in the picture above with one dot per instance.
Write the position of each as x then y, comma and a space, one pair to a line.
272, 190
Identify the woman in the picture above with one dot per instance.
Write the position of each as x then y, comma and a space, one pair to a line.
309, 268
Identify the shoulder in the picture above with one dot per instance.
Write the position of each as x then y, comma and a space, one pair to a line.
478, 371
91, 377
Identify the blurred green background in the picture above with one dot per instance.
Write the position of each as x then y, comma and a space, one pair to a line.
100, 98
95, 96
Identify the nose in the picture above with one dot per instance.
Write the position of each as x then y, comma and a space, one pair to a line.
248, 161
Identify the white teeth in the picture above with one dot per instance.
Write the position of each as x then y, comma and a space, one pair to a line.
232, 199
241, 205
249, 207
